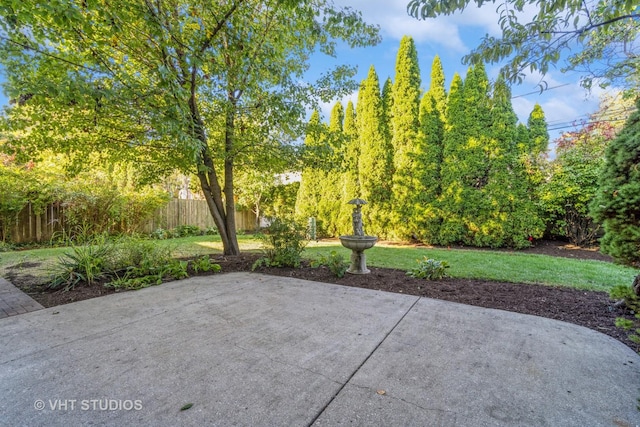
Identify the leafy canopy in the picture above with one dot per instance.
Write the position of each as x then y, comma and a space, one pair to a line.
600, 37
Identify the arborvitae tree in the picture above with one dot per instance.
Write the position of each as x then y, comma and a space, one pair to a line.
511, 216
405, 123
375, 160
617, 202
538, 134
522, 139
309, 191
328, 179
427, 211
437, 88
452, 228
350, 175
474, 158
387, 108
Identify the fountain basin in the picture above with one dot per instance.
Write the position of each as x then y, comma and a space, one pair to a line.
358, 243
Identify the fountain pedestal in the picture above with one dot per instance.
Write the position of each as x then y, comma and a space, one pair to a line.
358, 244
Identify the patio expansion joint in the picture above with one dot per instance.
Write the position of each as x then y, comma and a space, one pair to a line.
366, 359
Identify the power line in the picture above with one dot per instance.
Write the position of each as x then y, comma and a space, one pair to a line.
539, 92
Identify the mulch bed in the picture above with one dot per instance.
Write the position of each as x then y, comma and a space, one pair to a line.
586, 308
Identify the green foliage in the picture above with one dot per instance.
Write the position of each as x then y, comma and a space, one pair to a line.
407, 146
632, 301
127, 263
283, 242
350, 176
138, 277
83, 263
600, 45
204, 264
429, 269
573, 182
281, 201
160, 234
103, 201
617, 201
309, 190
187, 230
375, 161
334, 261
218, 84
538, 136
432, 129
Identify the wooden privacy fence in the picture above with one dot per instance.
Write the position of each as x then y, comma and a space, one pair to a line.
32, 227
193, 212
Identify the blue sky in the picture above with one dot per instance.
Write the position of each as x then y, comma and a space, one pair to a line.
451, 37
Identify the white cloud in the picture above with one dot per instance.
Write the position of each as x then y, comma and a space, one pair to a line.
445, 31
326, 107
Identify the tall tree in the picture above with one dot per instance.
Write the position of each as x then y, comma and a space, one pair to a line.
427, 209
387, 108
431, 135
538, 134
617, 202
350, 176
475, 162
171, 84
309, 192
511, 217
437, 86
375, 162
329, 181
405, 121
451, 171
598, 37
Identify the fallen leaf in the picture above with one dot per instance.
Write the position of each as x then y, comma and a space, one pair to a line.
381, 392
187, 406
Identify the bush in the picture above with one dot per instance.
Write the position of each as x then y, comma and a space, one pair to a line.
616, 201
204, 264
84, 263
335, 262
283, 242
159, 234
632, 301
429, 269
211, 231
186, 231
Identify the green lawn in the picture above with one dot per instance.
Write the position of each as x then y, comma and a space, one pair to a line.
501, 266
490, 265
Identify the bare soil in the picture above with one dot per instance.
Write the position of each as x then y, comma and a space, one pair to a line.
586, 308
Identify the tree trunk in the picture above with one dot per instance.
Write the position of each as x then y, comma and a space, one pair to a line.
222, 211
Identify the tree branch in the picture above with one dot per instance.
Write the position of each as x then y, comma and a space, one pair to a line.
592, 26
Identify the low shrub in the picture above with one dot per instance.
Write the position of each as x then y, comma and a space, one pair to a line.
204, 264
429, 269
186, 231
83, 263
335, 262
632, 301
283, 242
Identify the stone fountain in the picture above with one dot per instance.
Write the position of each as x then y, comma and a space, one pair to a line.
358, 242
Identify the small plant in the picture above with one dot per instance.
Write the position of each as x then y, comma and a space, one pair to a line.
204, 264
429, 269
335, 262
84, 263
283, 242
159, 234
6, 246
211, 231
186, 231
632, 301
